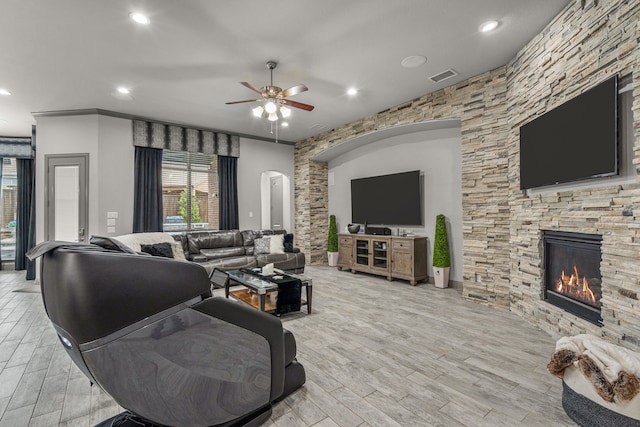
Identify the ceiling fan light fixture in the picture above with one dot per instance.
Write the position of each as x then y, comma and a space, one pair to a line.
270, 107
257, 112
286, 112
274, 103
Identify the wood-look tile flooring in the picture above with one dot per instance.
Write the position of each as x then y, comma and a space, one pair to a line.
376, 353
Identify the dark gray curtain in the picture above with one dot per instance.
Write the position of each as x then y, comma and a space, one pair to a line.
147, 205
228, 183
26, 215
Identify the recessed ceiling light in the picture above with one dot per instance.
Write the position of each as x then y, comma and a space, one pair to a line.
123, 90
413, 61
139, 18
488, 26
4, 92
285, 124
352, 91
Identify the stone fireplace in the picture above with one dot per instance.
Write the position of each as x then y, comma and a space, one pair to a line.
572, 278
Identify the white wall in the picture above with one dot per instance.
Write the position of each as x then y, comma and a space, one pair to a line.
108, 141
257, 157
437, 154
65, 135
115, 173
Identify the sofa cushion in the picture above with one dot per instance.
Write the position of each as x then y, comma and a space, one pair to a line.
286, 261
213, 239
229, 263
262, 245
223, 252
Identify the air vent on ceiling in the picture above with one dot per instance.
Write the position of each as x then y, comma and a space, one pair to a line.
443, 75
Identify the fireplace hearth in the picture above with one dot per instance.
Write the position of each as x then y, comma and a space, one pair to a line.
572, 279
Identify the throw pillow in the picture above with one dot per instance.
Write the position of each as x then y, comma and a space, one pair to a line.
159, 249
276, 246
262, 245
288, 242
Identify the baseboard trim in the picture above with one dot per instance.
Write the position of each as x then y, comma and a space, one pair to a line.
452, 283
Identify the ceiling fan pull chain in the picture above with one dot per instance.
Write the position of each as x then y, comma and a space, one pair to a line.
276, 123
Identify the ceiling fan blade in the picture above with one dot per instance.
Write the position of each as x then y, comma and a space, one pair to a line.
298, 104
250, 86
294, 90
240, 102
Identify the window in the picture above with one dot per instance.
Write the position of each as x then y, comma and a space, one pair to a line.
8, 211
189, 191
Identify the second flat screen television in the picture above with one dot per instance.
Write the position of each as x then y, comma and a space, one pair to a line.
387, 199
574, 141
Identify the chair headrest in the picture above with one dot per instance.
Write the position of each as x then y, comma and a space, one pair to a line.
91, 292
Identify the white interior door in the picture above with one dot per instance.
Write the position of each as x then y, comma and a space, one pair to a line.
67, 197
276, 202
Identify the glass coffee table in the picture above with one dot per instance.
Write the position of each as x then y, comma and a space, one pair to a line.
261, 293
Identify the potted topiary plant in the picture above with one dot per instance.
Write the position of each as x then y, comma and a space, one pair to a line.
441, 261
332, 244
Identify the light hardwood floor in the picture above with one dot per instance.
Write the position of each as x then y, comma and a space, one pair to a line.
376, 353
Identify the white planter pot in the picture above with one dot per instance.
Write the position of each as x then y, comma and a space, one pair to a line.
441, 277
333, 258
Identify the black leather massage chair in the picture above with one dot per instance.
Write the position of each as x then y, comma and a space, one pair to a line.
146, 330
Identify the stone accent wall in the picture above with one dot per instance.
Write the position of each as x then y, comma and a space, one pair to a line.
579, 49
480, 104
312, 207
502, 225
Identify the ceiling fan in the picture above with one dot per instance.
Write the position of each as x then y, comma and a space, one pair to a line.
275, 98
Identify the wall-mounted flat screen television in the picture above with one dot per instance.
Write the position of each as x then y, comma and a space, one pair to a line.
575, 141
387, 199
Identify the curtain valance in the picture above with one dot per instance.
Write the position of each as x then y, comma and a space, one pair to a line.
178, 138
20, 148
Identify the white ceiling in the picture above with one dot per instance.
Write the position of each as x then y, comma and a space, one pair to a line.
184, 66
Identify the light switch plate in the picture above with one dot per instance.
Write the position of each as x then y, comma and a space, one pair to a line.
112, 214
111, 230
111, 221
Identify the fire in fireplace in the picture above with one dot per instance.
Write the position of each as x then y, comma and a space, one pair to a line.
576, 287
572, 273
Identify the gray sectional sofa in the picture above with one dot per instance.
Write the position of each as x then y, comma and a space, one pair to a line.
235, 249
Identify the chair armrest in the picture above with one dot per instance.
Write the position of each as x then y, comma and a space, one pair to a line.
295, 250
266, 325
198, 258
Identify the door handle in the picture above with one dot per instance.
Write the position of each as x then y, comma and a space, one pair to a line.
81, 235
